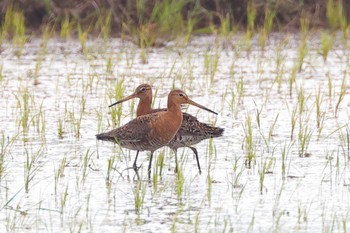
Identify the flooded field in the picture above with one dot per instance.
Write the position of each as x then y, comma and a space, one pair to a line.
282, 164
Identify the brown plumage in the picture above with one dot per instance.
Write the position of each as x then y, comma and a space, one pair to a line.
191, 131
153, 131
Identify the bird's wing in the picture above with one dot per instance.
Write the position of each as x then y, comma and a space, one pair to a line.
134, 131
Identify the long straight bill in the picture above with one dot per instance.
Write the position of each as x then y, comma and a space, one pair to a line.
122, 100
200, 106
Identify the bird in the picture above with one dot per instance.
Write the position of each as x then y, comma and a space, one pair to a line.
152, 131
190, 133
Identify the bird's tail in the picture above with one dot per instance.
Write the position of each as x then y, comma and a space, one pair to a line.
105, 137
214, 132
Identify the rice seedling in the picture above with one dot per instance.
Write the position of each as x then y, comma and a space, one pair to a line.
304, 26
330, 88
304, 137
344, 138
60, 130
262, 171
294, 118
59, 173
344, 26
168, 17
209, 184
285, 151
328, 177
302, 100
23, 104
47, 32
292, 79
267, 139
266, 29
279, 66
335, 14
86, 165
116, 112
139, 195
251, 17
67, 25
266, 167
196, 222
82, 35
211, 63
211, 149
190, 24
326, 44
320, 114
109, 66
180, 181
160, 162
251, 223
302, 214
302, 52
14, 27
249, 144
37, 69
143, 55
30, 166
338, 172
4, 148
104, 23
63, 199
238, 92
110, 166
341, 96
303, 47
236, 174
225, 25
270, 15
76, 122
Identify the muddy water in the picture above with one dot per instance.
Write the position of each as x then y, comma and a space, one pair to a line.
67, 175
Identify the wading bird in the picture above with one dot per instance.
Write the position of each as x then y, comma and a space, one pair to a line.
190, 133
153, 131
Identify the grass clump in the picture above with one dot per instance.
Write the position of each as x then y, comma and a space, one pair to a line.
335, 13
13, 27
66, 27
139, 195
326, 44
249, 144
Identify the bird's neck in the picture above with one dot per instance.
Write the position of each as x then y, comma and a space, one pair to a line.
174, 109
145, 106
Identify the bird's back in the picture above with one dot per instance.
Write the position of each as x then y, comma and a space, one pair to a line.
135, 135
147, 132
192, 131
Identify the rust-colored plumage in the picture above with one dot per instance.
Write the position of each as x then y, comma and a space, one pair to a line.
153, 131
191, 131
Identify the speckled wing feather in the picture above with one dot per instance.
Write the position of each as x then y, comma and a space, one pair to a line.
192, 131
134, 131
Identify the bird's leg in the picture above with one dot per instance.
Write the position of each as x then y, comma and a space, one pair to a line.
150, 165
137, 174
134, 164
196, 154
176, 161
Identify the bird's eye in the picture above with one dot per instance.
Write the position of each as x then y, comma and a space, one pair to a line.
143, 89
181, 94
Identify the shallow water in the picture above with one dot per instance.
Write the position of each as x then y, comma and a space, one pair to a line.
310, 194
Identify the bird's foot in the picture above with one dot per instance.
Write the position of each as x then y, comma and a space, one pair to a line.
135, 167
